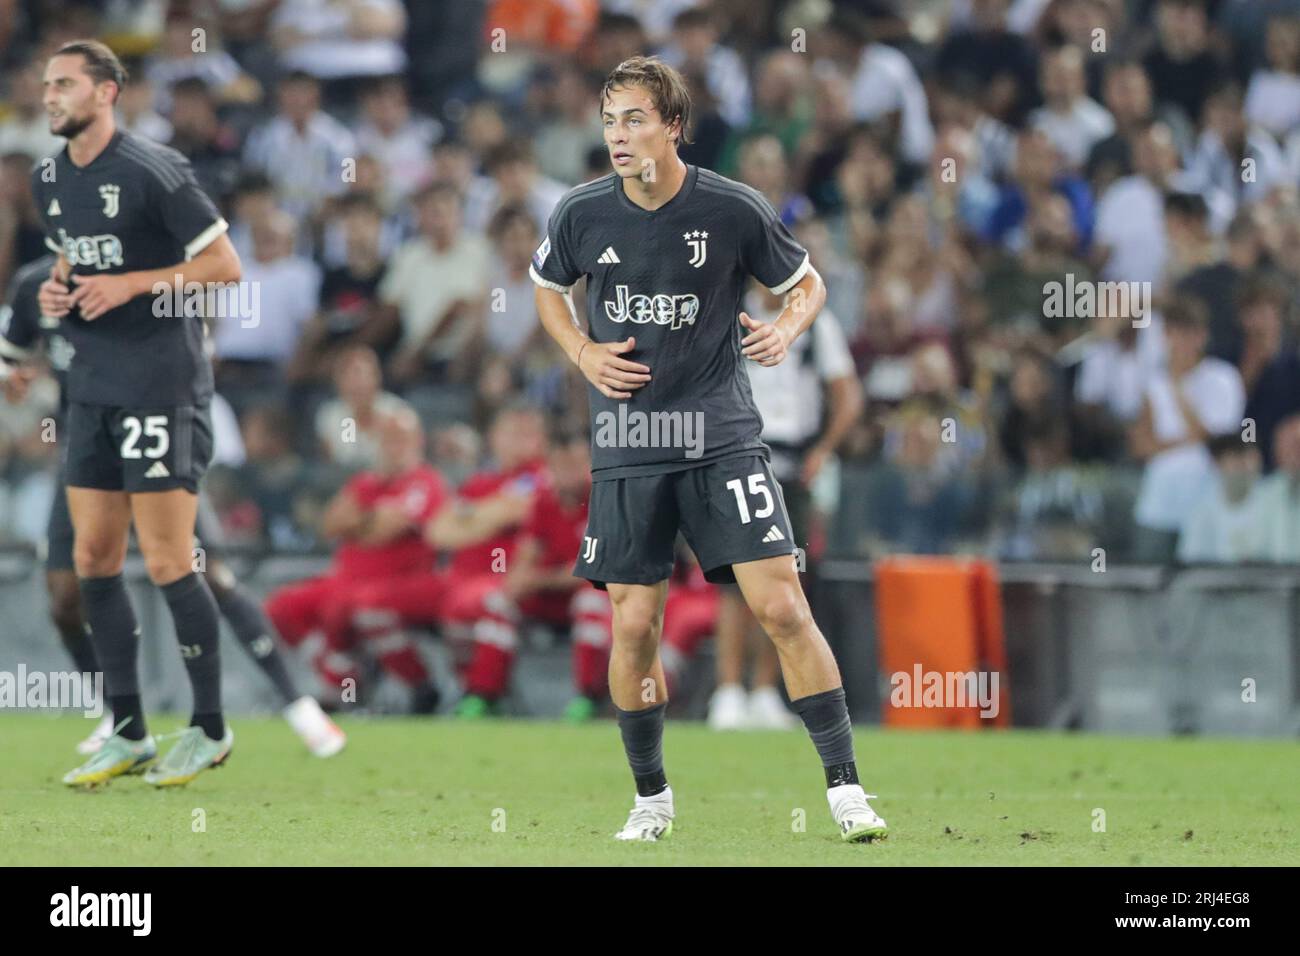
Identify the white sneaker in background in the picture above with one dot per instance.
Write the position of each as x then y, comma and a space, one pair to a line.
321, 735
729, 708
767, 711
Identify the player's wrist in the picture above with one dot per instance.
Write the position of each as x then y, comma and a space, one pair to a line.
578, 358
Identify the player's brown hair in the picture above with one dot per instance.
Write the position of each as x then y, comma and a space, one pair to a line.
102, 64
665, 85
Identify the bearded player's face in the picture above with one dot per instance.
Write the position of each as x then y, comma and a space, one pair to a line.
635, 134
72, 99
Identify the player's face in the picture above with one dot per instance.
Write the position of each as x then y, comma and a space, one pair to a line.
635, 134
72, 99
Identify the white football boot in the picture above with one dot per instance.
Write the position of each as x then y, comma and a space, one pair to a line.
650, 820
767, 711
321, 735
103, 730
853, 815
729, 708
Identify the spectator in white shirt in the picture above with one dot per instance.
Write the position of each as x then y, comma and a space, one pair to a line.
136, 113
178, 59
514, 180
1194, 399
1233, 162
26, 129
435, 291
1129, 238
285, 295
336, 39
302, 149
1072, 120
512, 327
399, 139
1226, 525
1273, 97
885, 83
347, 425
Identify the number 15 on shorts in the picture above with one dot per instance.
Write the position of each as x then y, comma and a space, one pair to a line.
757, 488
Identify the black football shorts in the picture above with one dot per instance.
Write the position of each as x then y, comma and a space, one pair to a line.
138, 449
730, 511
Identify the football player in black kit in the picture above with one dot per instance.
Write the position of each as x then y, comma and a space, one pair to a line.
666, 249
23, 329
128, 222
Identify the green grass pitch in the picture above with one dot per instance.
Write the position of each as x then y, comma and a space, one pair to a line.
409, 792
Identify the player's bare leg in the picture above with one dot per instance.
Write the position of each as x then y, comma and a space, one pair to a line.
101, 521
766, 709
772, 589
164, 526
640, 695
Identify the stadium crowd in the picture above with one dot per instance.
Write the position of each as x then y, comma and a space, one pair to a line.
958, 171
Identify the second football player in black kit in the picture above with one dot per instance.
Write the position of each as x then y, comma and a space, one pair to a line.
666, 250
129, 222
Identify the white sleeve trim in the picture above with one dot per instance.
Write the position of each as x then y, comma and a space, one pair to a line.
789, 283
547, 283
53, 246
205, 238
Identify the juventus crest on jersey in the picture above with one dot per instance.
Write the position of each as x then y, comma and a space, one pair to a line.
673, 278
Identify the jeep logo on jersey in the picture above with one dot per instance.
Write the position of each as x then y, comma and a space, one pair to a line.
674, 310
102, 252
110, 194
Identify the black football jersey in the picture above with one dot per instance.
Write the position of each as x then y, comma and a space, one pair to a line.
22, 327
673, 278
135, 206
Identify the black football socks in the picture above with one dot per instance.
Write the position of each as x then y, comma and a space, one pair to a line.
115, 637
253, 628
827, 718
194, 612
643, 740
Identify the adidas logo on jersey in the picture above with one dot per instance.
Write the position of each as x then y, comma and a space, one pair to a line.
773, 534
55, 209
157, 470
609, 256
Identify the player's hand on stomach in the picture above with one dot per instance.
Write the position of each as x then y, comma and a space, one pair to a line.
97, 294
614, 376
54, 296
766, 342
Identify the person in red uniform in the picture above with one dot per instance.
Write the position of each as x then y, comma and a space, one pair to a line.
690, 615
479, 525
539, 585
378, 518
